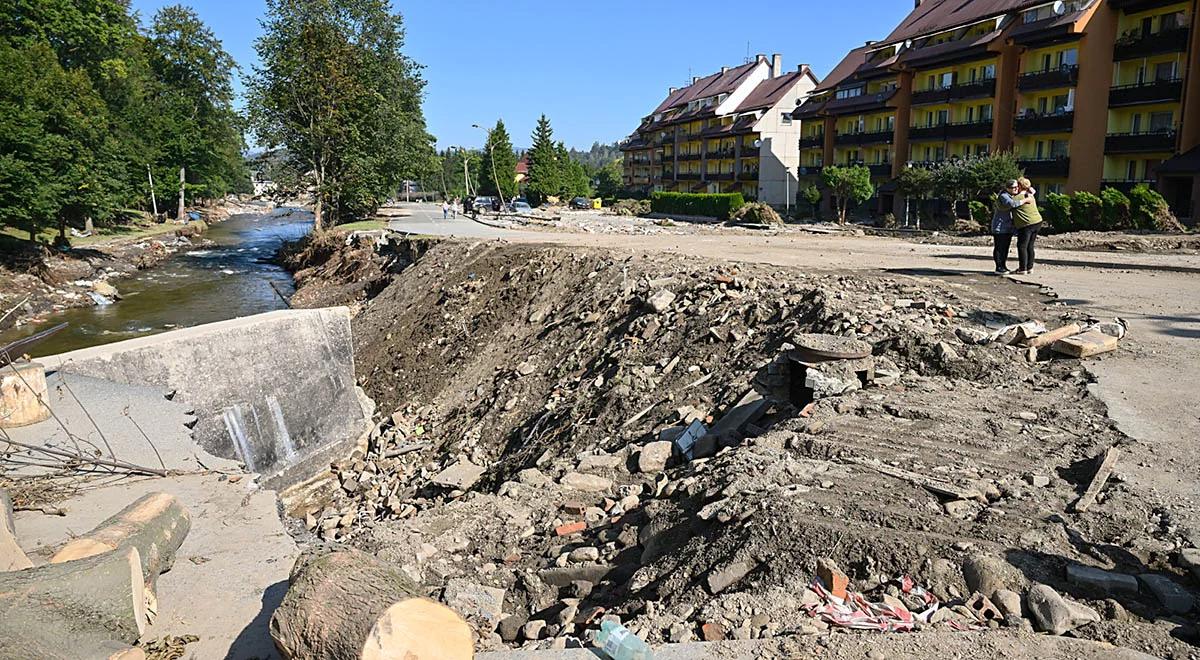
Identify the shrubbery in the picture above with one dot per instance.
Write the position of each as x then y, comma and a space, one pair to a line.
1149, 210
1112, 210
1056, 211
1085, 211
715, 205
980, 213
1115, 210
631, 207
757, 212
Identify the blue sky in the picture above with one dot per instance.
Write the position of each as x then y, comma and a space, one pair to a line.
595, 68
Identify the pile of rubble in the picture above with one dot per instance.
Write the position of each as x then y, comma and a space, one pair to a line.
585, 436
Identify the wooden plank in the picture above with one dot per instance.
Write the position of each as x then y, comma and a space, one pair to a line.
1098, 481
1087, 344
1047, 338
938, 486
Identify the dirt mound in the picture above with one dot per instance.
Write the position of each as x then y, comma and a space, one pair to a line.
535, 389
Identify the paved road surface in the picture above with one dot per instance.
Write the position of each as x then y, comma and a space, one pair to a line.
1151, 386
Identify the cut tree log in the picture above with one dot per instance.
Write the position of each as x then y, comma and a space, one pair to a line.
12, 558
348, 604
1051, 336
89, 608
155, 524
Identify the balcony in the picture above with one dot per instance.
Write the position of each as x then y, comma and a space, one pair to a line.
688, 176
880, 169
936, 132
969, 129
811, 141
927, 96
718, 176
1158, 91
810, 170
1145, 142
1173, 40
1046, 167
719, 154
695, 156
751, 175
973, 90
876, 137
1065, 76
1057, 123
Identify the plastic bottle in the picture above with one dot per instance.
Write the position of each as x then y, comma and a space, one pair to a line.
619, 643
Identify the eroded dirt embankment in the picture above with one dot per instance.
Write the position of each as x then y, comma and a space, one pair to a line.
552, 369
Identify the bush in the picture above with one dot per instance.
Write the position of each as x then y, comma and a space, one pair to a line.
1056, 211
757, 212
1086, 212
1115, 210
630, 207
980, 213
889, 220
1150, 211
720, 205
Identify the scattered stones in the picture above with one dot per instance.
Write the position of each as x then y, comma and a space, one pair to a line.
1189, 558
590, 483
533, 629
532, 477
510, 627
832, 577
593, 462
660, 301
654, 456
722, 578
1101, 580
712, 632
584, 554
475, 602
461, 475
1170, 595
680, 632
945, 352
986, 574
1037, 480
1054, 614
1008, 602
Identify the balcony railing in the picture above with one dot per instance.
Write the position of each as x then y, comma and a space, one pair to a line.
925, 96
719, 153
1172, 40
1057, 123
693, 156
718, 176
1065, 76
1051, 167
880, 169
810, 141
875, 137
749, 175
1126, 185
936, 132
969, 129
973, 90
810, 170
1145, 142
1158, 91
688, 176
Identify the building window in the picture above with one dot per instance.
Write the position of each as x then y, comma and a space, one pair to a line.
1058, 148
1164, 71
785, 118
1067, 58
1161, 121
985, 112
849, 93
989, 71
947, 80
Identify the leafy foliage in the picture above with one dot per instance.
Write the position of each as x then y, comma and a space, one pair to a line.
544, 171
501, 160
597, 156
1056, 211
1085, 211
1150, 211
980, 213
720, 205
608, 179
336, 90
812, 195
850, 186
1115, 209
631, 207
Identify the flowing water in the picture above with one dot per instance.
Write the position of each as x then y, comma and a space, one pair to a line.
230, 278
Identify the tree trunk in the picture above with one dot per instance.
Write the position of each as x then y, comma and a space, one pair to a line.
179, 215
72, 610
155, 525
348, 604
12, 558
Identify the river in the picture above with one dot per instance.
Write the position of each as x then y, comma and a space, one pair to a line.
229, 278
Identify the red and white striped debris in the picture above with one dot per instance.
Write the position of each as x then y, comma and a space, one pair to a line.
856, 612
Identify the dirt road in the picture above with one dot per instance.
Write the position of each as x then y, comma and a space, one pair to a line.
1146, 385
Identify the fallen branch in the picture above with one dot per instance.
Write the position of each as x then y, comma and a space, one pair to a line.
12, 557
80, 459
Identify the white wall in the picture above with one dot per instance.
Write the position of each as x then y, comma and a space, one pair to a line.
779, 155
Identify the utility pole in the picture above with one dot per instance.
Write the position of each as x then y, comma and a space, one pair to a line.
179, 216
492, 155
153, 201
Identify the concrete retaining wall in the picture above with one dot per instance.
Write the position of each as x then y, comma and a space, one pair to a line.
275, 391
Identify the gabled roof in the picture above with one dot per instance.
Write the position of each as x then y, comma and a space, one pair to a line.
844, 69
932, 16
721, 82
769, 91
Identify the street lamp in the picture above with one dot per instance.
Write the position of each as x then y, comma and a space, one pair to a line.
492, 156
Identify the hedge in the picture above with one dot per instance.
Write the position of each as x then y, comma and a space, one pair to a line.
720, 206
1112, 210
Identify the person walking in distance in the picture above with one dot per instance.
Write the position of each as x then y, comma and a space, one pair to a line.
445, 210
1028, 221
454, 209
1002, 224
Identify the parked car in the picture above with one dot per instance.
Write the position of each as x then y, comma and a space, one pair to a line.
485, 204
521, 206
581, 203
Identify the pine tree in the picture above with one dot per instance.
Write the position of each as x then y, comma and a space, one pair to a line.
544, 167
501, 163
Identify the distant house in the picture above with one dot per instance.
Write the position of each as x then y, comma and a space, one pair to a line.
731, 131
522, 170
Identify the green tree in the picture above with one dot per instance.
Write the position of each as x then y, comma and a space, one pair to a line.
455, 179
850, 185
545, 178
336, 90
609, 179
501, 162
573, 177
812, 195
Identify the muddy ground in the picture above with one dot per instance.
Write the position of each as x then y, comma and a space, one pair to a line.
554, 369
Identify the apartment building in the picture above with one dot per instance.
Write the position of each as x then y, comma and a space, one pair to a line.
731, 131
1086, 93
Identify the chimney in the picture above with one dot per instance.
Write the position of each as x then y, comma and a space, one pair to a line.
694, 79
724, 69
670, 91
760, 58
917, 3
801, 67
776, 65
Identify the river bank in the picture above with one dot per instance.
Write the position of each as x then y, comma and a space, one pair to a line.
134, 288
36, 282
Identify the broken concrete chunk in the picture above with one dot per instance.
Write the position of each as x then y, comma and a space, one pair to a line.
462, 475
945, 352
585, 554
532, 477
564, 576
1009, 602
1086, 344
475, 602
660, 301
1189, 558
599, 462
589, 483
654, 456
1101, 580
831, 379
720, 579
747, 410
972, 336
1170, 595
1048, 609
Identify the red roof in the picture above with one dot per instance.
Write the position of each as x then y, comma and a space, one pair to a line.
721, 82
844, 69
768, 92
932, 16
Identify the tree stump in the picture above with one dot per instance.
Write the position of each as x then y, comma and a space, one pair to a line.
89, 608
155, 524
12, 558
348, 604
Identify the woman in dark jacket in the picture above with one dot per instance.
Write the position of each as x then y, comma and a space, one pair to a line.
1002, 225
